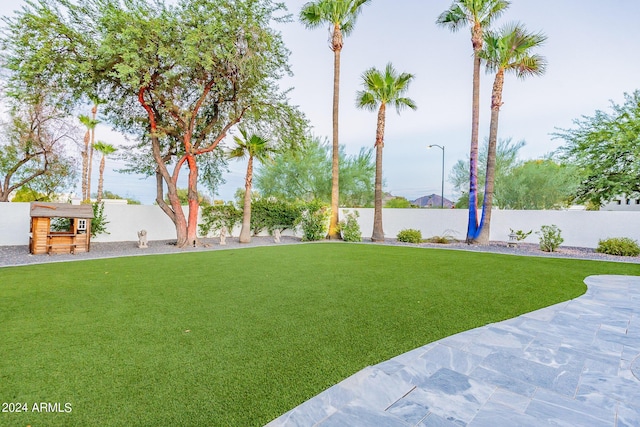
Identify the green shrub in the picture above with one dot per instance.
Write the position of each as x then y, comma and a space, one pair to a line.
349, 227
410, 235
314, 221
444, 239
520, 234
399, 203
266, 214
61, 224
271, 213
216, 216
550, 238
622, 246
99, 221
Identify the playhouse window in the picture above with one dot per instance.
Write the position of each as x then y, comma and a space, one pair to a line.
82, 225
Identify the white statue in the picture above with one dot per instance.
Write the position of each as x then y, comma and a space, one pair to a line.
276, 235
142, 239
223, 235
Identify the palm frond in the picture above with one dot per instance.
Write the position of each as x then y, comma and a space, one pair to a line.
237, 153
402, 103
366, 100
471, 12
384, 87
489, 10
334, 12
312, 15
104, 148
251, 145
352, 8
534, 65
510, 48
453, 18
88, 121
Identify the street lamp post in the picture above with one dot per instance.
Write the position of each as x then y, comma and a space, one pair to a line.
442, 192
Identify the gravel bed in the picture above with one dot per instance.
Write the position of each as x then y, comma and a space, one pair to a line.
19, 255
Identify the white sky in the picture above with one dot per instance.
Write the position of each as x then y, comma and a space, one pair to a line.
592, 56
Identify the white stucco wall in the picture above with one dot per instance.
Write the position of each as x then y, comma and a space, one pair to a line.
14, 223
579, 228
126, 220
431, 222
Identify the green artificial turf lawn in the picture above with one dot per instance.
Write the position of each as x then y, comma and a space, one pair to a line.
238, 337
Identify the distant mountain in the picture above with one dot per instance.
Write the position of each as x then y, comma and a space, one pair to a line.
432, 201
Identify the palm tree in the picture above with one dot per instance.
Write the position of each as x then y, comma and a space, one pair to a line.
341, 16
508, 50
382, 89
95, 121
478, 14
90, 124
105, 149
258, 148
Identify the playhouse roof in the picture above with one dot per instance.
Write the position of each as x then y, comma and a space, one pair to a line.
60, 210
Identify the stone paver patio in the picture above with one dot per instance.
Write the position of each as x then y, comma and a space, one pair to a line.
572, 364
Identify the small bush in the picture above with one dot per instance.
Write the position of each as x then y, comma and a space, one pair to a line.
550, 238
444, 239
270, 213
349, 227
219, 215
410, 235
622, 246
61, 224
520, 234
440, 239
314, 221
99, 221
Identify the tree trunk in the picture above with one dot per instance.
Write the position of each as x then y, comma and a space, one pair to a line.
85, 165
245, 232
174, 209
94, 112
378, 233
194, 203
100, 180
336, 46
180, 221
186, 227
496, 103
472, 226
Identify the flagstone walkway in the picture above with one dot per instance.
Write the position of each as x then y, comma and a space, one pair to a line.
572, 364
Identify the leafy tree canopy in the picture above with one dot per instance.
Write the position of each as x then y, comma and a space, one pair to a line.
34, 150
538, 184
399, 202
605, 148
178, 77
305, 174
110, 195
506, 159
184, 199
532, 184
26, 194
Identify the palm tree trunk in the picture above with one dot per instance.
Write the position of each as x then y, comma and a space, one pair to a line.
496, 103
335, 160
472, 226
101, 180
245, 232
378, 233
94, 112
85, 165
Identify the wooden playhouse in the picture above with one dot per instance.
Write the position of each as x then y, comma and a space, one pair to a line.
71, 231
